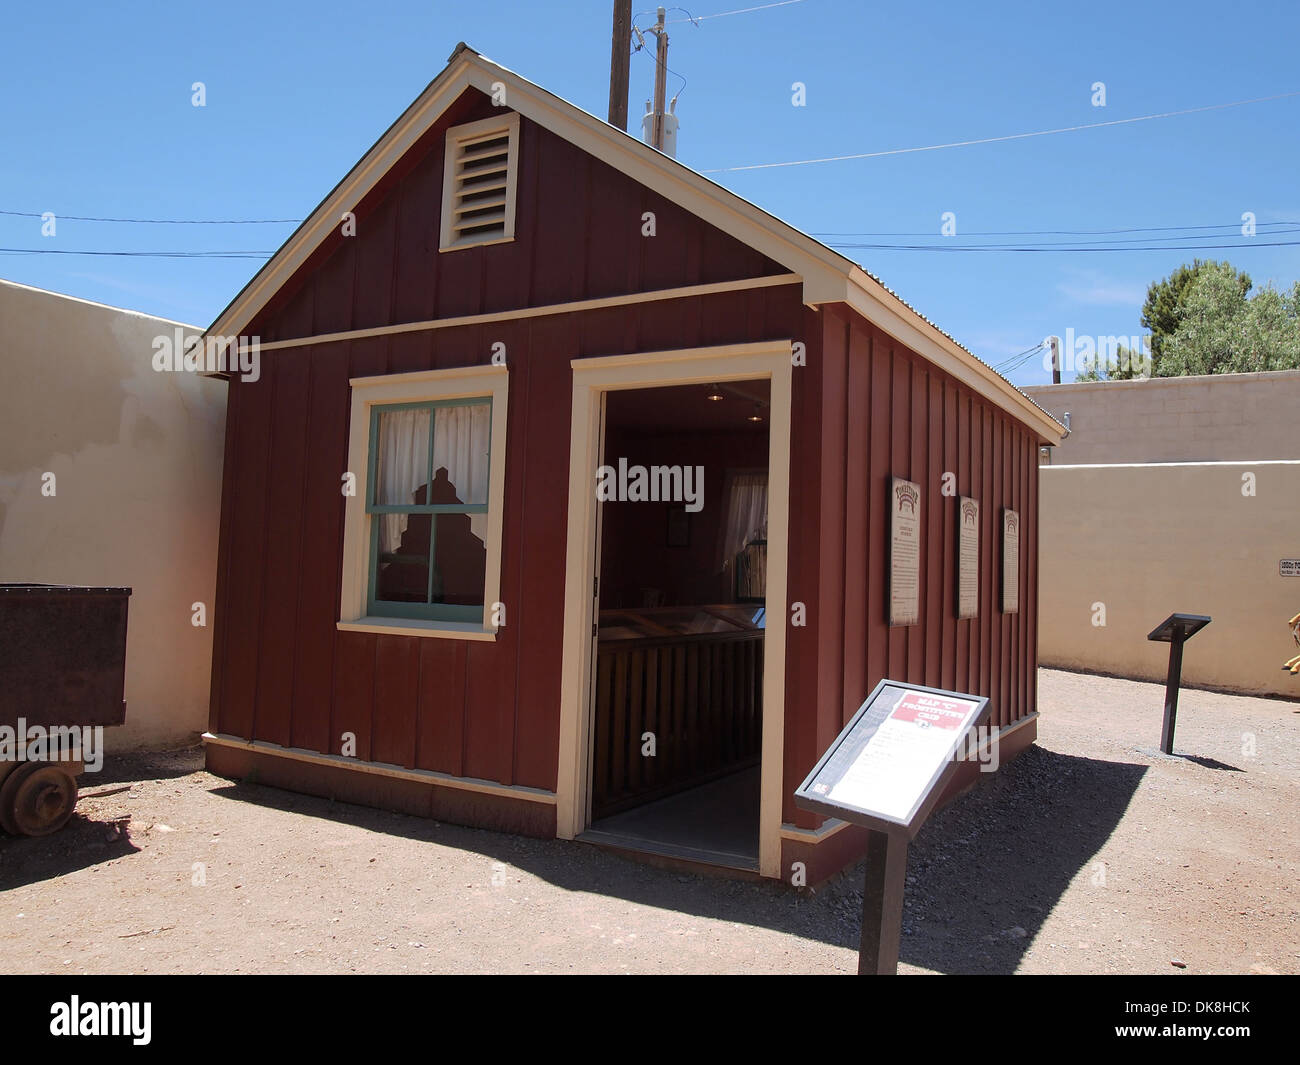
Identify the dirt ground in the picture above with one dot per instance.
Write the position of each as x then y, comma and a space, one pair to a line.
1091, 853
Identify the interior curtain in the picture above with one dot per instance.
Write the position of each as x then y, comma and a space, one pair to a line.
461, 446
401, 469
746, 515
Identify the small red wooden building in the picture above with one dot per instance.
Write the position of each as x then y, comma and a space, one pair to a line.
561, 504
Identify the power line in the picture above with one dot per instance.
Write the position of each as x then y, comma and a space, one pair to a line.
1292, 224
1117, 245
1017, 361
1114, 242
642, 48
697, 19
143, 254
1048, 249
157, 221
1008, 137
1064, 232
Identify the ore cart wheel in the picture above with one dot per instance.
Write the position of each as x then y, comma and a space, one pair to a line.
37, 799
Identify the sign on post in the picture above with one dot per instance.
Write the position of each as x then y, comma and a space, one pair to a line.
886, 770
1175, 630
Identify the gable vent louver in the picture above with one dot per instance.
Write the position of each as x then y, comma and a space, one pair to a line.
479, 185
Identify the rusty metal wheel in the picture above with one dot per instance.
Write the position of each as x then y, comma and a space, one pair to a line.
37, 798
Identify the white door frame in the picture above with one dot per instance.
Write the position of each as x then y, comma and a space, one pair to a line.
591, 379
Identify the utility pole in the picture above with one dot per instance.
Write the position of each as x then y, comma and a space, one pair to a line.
661, 80
619, 59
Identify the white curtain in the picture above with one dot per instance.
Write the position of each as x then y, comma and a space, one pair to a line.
461, 446
746, 515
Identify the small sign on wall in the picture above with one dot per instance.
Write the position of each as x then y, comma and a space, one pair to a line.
1289, 567
904, 552
1010, 561
968, 557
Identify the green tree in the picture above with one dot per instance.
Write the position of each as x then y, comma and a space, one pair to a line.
1220, 330
1203, 320
1163, 310
1122, 364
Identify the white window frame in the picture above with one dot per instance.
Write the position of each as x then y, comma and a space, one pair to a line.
490, 382
507, 124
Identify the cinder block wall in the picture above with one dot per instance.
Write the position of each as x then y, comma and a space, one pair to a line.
1147, 540
137, 458
1220, 418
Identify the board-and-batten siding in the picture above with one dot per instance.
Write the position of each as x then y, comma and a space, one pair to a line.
863, 408
578, 236
487, 710
286, 675
883, 411
283, 673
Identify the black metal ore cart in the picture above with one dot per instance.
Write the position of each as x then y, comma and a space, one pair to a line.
62, 665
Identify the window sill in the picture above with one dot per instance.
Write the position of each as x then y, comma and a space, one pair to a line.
442, 630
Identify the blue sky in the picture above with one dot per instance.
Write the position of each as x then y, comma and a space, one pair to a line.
95, 105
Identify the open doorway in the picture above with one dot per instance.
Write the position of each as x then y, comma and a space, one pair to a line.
678, 672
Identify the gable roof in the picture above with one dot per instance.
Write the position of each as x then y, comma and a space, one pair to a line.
828, 277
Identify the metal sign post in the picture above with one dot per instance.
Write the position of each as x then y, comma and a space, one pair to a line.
882, 904
886, 771
1175, 630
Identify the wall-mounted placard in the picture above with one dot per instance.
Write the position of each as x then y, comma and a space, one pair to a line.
1010, 561
904, 552
968, 557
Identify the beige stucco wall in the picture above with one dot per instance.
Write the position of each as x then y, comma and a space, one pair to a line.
1220, 418
1148, 540
137, 458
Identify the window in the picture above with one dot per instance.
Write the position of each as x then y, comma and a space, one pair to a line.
422, 538
478, 183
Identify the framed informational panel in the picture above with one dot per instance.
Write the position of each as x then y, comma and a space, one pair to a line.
904, 552
1010, 561
884, 769
968, 557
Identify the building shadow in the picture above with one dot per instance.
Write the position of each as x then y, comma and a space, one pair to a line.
986, 871
982, 875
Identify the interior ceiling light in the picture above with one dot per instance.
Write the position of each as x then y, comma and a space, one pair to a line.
715, 393
757, 416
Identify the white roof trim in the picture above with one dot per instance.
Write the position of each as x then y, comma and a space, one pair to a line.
828, 277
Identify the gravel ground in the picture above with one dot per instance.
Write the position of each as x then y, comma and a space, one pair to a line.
1092, 852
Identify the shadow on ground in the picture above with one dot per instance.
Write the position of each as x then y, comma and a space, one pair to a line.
982, 876
84, 841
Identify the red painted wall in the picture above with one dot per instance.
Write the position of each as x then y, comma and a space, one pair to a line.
864, 407
282, 672
872, 409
